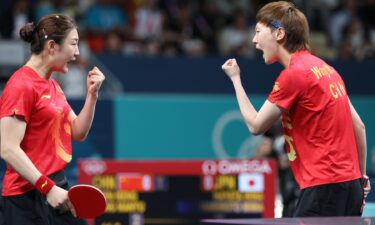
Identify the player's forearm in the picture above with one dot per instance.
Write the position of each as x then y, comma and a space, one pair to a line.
20, 162
82, 123
246, 107
360, 137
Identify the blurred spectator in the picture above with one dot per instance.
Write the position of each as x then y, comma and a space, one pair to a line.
187, 30
320, 45
103, 16
84, 5
349, 39
356, 42
13, 17
354, 32
133, 48
151, 47
209, 19
6, 21
235, 39
230, 7
148, 21
43, 8
345, 50
366, 50
367, 15
339, 19
72, 9
265, 149
318, 12
194, 47
170, 49
113, 43
343, 29
21, 15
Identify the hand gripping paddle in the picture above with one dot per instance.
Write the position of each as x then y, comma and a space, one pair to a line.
88, 201
364, 181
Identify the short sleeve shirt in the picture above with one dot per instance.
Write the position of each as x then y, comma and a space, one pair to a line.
47, 138
318, 128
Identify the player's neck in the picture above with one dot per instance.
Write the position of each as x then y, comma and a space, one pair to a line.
37, 63
285, 57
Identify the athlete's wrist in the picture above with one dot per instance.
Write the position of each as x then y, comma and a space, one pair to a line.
44, 184
93, 95
236, 80
364, 180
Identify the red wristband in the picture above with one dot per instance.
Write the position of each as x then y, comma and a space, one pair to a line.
44, 184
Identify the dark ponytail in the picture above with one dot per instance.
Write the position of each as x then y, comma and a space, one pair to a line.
54, 27
27, 32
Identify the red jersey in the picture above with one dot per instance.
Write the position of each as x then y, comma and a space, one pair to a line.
47, 139
317, 121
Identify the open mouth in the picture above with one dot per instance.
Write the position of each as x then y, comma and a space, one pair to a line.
70, 61
258, 48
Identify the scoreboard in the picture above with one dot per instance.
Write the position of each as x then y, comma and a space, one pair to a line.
181, 192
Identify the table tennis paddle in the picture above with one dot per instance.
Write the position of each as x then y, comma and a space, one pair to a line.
88, 201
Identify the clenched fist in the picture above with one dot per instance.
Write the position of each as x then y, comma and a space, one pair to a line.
95, 79
231, 68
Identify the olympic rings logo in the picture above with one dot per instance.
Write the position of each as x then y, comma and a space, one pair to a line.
218, 137
94, 167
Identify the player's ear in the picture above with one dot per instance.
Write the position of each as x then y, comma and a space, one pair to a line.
51, 46
280, 34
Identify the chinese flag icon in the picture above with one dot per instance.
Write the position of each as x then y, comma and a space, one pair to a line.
135, 182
